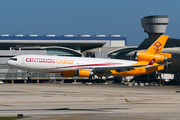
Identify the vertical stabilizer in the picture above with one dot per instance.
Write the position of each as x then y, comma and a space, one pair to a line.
158, 45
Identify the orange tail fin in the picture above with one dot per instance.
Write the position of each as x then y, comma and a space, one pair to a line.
158, 45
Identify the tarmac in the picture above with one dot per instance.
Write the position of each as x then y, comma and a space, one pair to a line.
90, 102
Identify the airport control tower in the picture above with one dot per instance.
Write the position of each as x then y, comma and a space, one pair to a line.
155, 25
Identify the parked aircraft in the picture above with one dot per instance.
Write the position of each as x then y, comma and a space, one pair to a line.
149, 61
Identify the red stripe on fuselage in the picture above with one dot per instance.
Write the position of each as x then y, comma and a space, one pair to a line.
103, 64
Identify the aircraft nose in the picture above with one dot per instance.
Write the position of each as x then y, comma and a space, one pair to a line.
8, 62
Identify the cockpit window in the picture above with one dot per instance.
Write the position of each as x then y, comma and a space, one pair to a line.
14, 59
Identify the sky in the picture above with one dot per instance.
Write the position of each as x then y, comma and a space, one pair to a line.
93, 17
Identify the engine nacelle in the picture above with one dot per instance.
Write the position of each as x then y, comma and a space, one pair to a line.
143, 56
84, 73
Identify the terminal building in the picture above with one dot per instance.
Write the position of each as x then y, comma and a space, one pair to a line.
65, 45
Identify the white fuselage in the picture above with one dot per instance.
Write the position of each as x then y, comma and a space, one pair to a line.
46, 63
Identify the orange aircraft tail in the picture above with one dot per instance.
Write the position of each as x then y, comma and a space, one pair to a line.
154, 51
158, 45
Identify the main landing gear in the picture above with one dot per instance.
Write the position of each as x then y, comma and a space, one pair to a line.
95, 80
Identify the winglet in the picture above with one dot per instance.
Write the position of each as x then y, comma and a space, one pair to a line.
158, 45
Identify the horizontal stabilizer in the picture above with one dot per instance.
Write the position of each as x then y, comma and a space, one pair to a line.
166, 55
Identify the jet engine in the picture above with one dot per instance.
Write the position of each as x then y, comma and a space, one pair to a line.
84, 73
143, 56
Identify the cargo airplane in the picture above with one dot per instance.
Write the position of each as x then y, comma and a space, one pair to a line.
149, 61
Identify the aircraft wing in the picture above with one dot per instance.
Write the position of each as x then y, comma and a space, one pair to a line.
117, 69
121, 68
150, 67
106, 70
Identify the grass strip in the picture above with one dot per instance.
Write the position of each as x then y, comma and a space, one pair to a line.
11, 118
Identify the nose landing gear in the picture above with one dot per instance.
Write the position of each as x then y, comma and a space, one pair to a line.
29, 74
